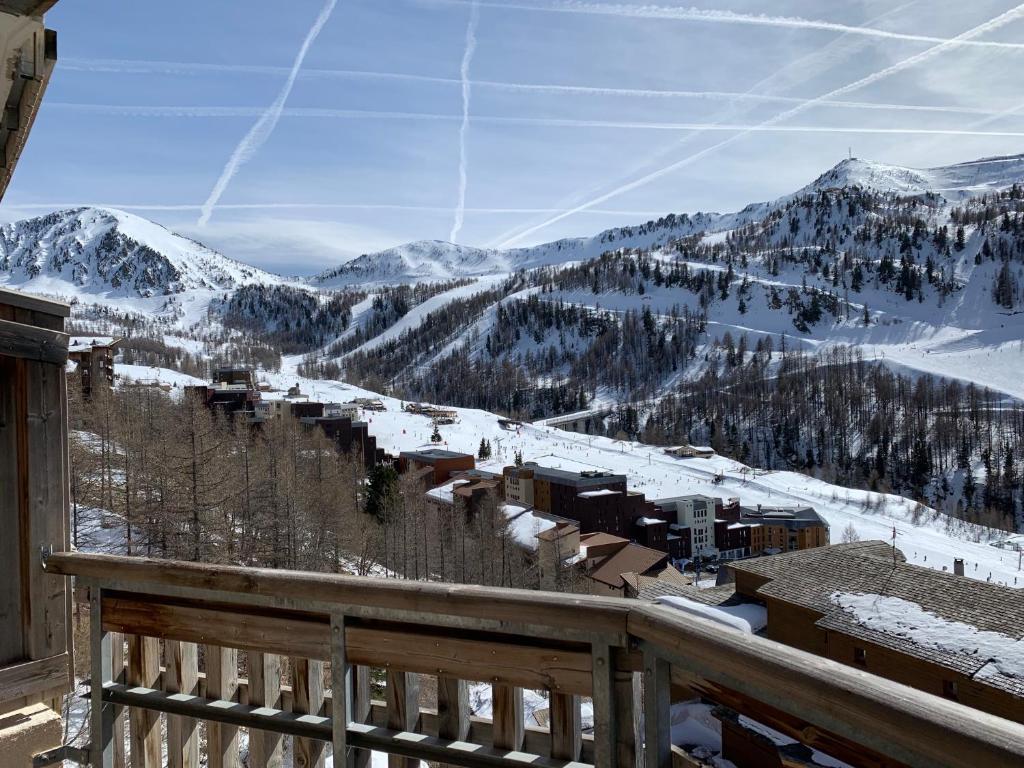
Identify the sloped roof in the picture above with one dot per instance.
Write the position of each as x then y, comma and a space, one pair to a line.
631, 558
818, 579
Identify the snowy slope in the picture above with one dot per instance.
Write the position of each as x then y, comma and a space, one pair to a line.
925, 536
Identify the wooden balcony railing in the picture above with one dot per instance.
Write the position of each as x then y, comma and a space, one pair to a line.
185, 625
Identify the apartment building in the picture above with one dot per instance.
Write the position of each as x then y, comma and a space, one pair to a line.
233, 390
93, 357
780, 529
443, 464
693, 517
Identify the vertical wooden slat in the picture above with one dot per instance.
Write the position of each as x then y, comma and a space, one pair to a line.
604, 696
452, 708
101, 717
308, 698
403, 703
181, 661
507, 717
627, 707
221, 683
144, 724
361, 703
119, 673
657, 712
266, 750
341, 694
12, 641
566, 726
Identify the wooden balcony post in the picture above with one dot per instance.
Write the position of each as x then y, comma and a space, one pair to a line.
403, 702
566, 726
308, 699
628, 739
616, 696
604, 696
266, 749
181, 662
221, 683
657, 712
144, 724
507, 717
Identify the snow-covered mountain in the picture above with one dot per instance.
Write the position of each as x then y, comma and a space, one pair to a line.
86, 252
437, 260
952, 182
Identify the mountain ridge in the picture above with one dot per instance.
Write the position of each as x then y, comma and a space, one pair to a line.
406, 263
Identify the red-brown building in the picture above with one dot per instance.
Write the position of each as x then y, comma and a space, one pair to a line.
443, 463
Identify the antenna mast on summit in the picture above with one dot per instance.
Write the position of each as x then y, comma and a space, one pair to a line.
851, 152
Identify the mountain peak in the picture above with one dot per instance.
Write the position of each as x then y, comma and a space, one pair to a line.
953, 182
104, 250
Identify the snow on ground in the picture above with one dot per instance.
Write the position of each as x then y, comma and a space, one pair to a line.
904, 618
928, 538
144, 374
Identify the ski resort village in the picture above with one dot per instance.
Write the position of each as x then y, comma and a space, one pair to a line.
283, 486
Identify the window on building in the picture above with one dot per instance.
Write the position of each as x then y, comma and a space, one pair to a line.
949, 690
860, 656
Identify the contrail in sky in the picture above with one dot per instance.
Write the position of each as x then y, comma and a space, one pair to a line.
1003, 19
185, 111
53, 206
170, 67
467, 59
728, 17
793, 74
261, 131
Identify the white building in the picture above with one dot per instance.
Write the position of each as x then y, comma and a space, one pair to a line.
698, 514
342, 411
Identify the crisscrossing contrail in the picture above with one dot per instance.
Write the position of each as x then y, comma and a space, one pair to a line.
265, 125
467, 59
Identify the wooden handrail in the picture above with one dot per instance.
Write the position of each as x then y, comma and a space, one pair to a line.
904, 723
584, 613
882, 716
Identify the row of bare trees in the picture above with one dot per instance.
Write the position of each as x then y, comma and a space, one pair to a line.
165, 476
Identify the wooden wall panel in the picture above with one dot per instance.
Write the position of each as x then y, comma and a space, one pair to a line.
11, 637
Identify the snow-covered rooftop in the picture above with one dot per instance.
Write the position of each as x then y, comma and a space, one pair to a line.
746, 617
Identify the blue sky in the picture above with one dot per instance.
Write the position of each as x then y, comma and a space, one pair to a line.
644, 109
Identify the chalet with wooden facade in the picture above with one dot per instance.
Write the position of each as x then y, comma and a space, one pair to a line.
862, 605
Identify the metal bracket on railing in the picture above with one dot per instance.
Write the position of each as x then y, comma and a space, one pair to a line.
57, 756
44, 554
